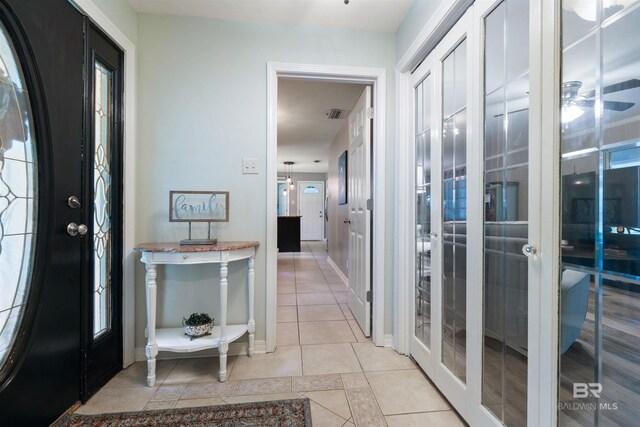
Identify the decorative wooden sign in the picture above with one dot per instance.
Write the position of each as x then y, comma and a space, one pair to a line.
199, 206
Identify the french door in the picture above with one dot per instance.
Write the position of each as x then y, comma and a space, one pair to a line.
60, 210
472, 222
443, 102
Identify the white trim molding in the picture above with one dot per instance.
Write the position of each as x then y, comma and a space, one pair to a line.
544, 275
445, 16
377, 77
129, 257
339, 272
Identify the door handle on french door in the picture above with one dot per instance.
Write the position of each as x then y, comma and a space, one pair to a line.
433, 235
347, 221
74, 229
529, 250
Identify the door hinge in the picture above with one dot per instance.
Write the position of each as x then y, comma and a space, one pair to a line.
368, 296
370, 113
369, 204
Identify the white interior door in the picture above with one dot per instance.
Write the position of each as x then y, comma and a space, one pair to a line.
311, 209
359, 190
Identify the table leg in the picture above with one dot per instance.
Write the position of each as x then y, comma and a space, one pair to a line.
251, 326
224, 345
151, 350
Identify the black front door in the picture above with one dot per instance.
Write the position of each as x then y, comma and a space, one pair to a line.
40, 371
60, 333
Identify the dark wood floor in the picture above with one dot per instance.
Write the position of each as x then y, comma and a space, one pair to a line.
505, 370
620, 364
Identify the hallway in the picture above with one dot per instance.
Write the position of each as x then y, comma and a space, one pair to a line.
322, 355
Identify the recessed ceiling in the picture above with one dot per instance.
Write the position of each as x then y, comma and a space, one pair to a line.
304, 131
372, 15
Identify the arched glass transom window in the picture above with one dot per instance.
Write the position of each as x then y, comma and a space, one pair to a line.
18, 195
311, 189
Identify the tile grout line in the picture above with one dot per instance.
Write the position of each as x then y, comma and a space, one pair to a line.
321, 405
295, 280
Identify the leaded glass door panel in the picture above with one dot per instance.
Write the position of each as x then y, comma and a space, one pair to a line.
102, 329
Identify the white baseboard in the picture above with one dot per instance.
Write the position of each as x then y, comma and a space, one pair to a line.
388, 340
235, 349
338, 271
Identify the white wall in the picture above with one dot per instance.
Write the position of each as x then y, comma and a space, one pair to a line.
338, 231
202, 108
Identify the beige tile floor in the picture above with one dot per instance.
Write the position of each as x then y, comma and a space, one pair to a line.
322, 354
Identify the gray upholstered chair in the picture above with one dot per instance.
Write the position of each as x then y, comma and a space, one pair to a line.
574, 300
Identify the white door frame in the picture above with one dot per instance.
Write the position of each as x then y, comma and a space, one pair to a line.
300, 195
128, 180
544, 131
377, 77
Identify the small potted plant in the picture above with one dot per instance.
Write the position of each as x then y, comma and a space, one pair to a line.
197, 325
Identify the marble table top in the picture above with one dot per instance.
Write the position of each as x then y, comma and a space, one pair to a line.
176, 247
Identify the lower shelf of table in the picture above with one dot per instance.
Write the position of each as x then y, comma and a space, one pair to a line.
174, 339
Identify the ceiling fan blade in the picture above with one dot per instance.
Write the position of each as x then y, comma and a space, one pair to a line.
616, 87
609, 105
511, 112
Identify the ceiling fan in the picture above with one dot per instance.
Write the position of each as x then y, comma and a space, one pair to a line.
574, 101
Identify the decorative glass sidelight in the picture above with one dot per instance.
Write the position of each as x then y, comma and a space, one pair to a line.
102, 238
600, 214
423, 211
506, 227
18, 195
454, 211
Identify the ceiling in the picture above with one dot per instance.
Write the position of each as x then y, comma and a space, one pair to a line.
304, 131
372, 15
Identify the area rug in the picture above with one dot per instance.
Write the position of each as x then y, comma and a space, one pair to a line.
280, 413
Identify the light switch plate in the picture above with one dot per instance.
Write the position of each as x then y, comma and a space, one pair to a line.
249, 165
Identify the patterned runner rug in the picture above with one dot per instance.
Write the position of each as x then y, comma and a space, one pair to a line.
281, 413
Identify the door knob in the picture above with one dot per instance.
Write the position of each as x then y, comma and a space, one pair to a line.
433, 235
74, 229
347, 221
529, 250
73, 202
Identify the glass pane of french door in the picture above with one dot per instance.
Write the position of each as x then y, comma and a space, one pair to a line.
423, 97
454, 211
600, 236
506, 178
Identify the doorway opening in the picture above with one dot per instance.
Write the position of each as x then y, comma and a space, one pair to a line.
358, 81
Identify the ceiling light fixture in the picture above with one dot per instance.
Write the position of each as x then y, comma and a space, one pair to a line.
586, 9
571, 101
571, 112
288, 170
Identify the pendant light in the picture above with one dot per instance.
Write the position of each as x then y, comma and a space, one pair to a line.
288, 169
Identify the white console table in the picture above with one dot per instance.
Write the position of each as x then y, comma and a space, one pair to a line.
174, 339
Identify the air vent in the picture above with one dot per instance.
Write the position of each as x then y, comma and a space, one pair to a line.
336, 114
